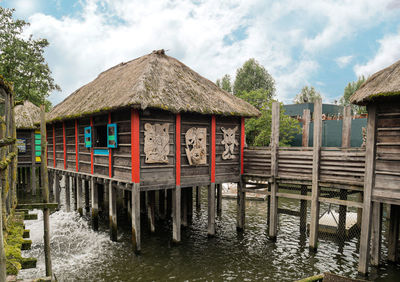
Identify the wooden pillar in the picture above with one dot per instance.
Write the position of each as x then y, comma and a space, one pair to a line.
151, 202
211, 210
75, 192
161, 203
273, 220
169, 203
184, 207
189, 205
393, 237
241, 206
136, 217
112, 193
346, 137
303, 210
376, 233
57, 187
33, 168
67, 194
95, 203
219, 199
369, 179
79, 195
28, 180
176, 214
304, 189
315, 175
198, 198
87, 196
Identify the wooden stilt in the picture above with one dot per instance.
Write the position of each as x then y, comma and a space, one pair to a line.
79, 195
143, 203
176, 214
28, 180
198, 198
169, 203
67, 194
241, 207
219, 199
211, 209
161, 204
184, 207
33, 180
303, 210
315, 175
75, 192
136, 217
95, 204
189, 205
87, 196
57, 187
376, 233
393, 237
151, 202
112, 192
342, 215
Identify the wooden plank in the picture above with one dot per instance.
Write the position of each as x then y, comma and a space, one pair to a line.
176, 214
211, 210
341, 202
315, 174
112, 193
241, 206
306, 128
346, 128
368, 187
79, 195
135, 210
294, 196
273, 220
67, 193
242, 141
376, 233
95, 203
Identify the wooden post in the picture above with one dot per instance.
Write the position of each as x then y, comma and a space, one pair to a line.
211, 209
79, 195
45, 179
393, 238
346, 137
184, 207
112, 192
161, 203
57, 187
198, 198
33, 169
315, 175
176, 214
369, 183
151, 202
136, 217
189, 205
95, 203
241, 206
87, 195
74, 181
376, 233
273, 220
304, 189
67, 193
219, 199
169, 203
3, 153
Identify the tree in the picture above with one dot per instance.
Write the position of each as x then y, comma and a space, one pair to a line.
348, 91
22, 61
225, 83
253, 76
307, 95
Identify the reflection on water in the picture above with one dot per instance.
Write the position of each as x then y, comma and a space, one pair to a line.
80, 254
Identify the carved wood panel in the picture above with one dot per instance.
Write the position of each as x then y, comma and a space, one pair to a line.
196, 146
156, 142
229, 141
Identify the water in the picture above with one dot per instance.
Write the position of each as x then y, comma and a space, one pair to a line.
79, 254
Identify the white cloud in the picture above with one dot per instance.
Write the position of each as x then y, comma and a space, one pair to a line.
343, 61
25, 8
388, 53
276, 33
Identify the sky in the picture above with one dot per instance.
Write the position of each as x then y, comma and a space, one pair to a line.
320, 43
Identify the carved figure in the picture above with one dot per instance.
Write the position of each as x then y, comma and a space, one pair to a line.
229, 141
156, 142
196, 146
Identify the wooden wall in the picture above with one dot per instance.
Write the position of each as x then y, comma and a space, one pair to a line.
25, 159
387, 170
157, 175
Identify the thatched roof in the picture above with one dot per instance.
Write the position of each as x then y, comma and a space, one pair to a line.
152, 81
27, 115
384, 83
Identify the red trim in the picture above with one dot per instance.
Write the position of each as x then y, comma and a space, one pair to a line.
109, 152
91, 148
64, 147
242, 136
135, 149
76, 145
54, 145
178, 150
213, 129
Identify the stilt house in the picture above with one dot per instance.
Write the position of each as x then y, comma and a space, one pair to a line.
151, 123
381, 95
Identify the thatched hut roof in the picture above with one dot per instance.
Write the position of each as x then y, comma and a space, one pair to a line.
384, 83
151, 81
26, 115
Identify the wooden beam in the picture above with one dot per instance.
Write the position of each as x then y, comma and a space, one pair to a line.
150, 203
112, 193
393, 238
95, 203
241, 206
306, 128
376, 233
219, 199
67, 193
211, 210
213, 129
87, 196
184, 208
79, 194
341, 202
242, 141
369, 183
33, 206
315, 174
273, 220
198, 198
176, 214
136, 217
346, 127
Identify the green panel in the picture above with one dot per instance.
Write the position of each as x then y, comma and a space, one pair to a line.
38, 148
37, 142
38, 154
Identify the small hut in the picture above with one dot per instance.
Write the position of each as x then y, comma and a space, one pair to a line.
27, 116
381, 95
150, 124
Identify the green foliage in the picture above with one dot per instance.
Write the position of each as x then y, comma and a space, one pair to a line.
348, 91
12, 243
258, 98
22, 61
307, 95
225, 83
258, 130
253, 76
